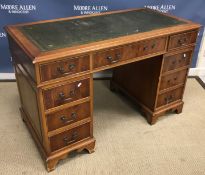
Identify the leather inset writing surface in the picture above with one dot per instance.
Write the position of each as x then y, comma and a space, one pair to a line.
60, 34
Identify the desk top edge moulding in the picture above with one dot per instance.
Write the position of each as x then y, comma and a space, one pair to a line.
54, 61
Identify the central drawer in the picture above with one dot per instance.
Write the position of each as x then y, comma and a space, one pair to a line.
129, 51
66, 93
151, 46
70, 137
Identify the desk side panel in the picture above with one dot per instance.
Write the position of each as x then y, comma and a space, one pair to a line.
19, 57
29, 102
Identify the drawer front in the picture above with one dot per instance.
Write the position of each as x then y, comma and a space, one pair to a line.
176, 61
173, 79
151, 46
66, 93
128, 51
68, 116
69, 137
182, 39
64, 68
169, 97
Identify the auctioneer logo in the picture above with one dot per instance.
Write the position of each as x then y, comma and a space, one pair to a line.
18, 8
2, 35
90, 9
162, 7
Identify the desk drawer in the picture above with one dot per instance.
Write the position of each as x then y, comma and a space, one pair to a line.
169, 97
66, 93
151, 46
173, 79
175, 61
129, 51
64, 68
68, 116
69, 137
182, 39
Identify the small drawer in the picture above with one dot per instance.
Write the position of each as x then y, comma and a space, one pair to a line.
173, 79
64, 68
68, 116
69, 137
107, 57
66, 93
169, 97
151, 46
175, 61
182, 39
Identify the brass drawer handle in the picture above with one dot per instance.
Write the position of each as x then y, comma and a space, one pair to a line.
73, 138
70, 67
169, 81
169, 99
62, 95
118, 56
74, 115
182, 41
65, 120
173, 62
145, 48
153, 45
111, 60
73, 93
60, 70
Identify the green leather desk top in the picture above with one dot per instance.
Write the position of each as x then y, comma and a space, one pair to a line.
66, 33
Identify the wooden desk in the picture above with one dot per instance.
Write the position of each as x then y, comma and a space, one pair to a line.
54, 61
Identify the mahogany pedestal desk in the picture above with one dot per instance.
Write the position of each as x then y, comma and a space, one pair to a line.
54, 61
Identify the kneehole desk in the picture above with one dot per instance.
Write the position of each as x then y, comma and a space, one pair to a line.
54, 62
